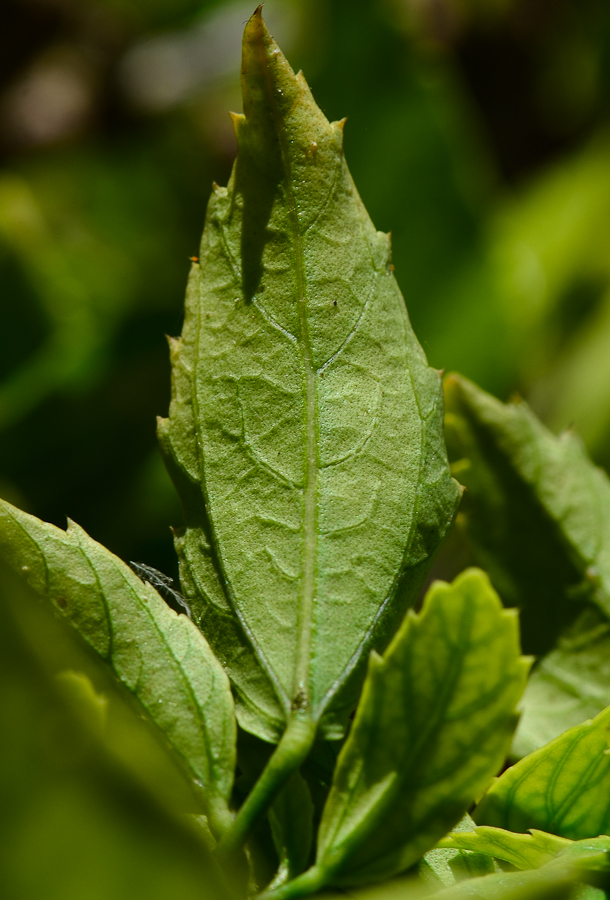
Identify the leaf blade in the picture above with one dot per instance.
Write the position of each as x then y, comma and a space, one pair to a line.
457, 662
309, 391
537, 513
563, 788
159, 656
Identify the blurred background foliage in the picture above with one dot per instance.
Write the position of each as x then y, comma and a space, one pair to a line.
478, 133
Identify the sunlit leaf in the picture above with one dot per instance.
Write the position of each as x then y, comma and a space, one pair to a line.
524, 851
432, 728
160, 657
304, 432
563, 788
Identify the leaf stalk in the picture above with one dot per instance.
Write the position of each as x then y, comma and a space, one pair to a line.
293, 748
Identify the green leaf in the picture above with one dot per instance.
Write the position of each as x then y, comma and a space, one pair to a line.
291, 818
556, 880
524, 851
159, 656
447, 864
75, 824
536, 510
432, 728
570, 684
563, 788
304, 433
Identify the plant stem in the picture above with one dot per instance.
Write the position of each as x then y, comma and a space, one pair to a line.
291, 751
308, 883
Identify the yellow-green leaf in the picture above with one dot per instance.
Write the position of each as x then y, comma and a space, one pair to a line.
563, 788
159, 656
432, 728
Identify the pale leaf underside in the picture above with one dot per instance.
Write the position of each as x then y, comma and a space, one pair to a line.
305, 426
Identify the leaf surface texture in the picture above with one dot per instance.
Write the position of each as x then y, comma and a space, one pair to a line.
563, 788
159, 656
433, 726
304, 432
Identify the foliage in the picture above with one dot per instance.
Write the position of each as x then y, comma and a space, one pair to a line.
317, 724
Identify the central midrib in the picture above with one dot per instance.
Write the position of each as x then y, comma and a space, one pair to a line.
301, 687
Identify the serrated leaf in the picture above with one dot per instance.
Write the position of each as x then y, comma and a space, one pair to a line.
557, 880
159, 656
569, 685
563, 788
433, 726
536, 510
524, 851
445, 865
304, 432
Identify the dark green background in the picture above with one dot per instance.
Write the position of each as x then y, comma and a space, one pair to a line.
477, 134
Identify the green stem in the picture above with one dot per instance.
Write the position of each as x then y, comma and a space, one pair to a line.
308, 883
289, 754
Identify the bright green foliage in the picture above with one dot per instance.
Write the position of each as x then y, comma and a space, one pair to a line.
524, 851
563, 788
160, 657
433, 726
304, 432
446, 866
536, 509
556, 880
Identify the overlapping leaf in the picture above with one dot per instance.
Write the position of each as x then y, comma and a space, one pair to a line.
563, 788
536, 509
304, 432
569, 685
433, 726
160, 657
537, 512
291, 818
524, 851
447, 864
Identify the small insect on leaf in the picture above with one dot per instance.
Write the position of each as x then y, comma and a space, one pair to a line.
163, 584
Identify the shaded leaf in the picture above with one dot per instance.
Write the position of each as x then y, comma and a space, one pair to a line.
74, 823
570, 684
536, 510
304, 433
563, 788
159, 656
433, 726
291, 818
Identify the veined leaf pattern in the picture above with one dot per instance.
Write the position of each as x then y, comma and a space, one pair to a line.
158, 655
563, 788
432, 728
304, 432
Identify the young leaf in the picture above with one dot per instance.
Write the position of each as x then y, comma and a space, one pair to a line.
524, 851
160, 657
536, 510
446, 866
433, 726
563, 788
557, 880
304, 433
570, 684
